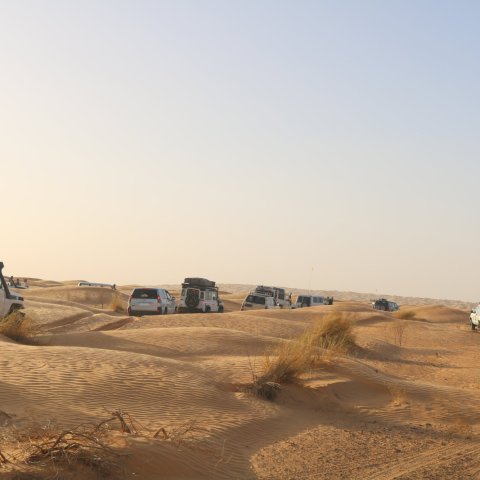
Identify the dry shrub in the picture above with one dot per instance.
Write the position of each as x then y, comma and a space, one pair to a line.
287, 361
406, 314
290, 359
85, 451
117, 304
47, 452
398, 332
284, 363
84, 445
19, 327
333, 332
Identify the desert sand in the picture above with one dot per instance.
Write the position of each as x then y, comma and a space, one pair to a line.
403, 405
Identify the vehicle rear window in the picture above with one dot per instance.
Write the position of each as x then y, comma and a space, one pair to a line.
304, 299
144, 293
256, 299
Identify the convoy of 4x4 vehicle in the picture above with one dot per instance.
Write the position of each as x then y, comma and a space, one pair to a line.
202, 295
197, 295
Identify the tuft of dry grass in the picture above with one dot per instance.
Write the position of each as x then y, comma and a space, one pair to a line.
118, 305
19, 327
290, 359
333, 332
287, 361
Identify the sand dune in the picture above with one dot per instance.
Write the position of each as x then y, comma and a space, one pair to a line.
402, 405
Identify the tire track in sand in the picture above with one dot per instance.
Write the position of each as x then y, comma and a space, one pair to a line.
411, 463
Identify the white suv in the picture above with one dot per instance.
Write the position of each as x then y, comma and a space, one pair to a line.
279, 295
256, 301
9, 301
199, 295
151, 301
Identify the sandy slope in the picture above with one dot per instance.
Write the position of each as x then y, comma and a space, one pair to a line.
405, 406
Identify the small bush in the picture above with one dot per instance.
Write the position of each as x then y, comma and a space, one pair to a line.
287, 362
333, 332
290, 359
19, 328
283, 363
117, 303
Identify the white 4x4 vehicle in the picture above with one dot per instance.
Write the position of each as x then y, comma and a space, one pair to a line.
280, 298
199, 295
151, 301
9, 301
475, 318
256, 301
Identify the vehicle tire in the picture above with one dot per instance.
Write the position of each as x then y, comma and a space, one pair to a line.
207, 309
166, 310
220, 309
14, 308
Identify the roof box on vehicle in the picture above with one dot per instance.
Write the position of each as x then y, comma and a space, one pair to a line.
198, 282
264, 290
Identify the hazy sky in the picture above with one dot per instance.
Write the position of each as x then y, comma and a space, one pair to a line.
243, 141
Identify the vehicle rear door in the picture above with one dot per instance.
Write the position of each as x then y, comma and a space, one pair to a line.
144, 299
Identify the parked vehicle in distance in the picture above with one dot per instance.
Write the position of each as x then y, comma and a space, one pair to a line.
256, 301
96, 284
151, 301
475, 318
279, 296
385, 305
199, 295
309, 301
9, 301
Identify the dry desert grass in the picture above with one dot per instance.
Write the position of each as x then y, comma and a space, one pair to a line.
19, 327
289, 360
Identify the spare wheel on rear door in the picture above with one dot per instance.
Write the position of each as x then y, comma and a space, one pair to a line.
192, 298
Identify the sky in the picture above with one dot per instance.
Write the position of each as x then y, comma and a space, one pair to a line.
324, 144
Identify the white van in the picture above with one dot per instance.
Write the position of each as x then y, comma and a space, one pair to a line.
151, 301
309, 301
256, 301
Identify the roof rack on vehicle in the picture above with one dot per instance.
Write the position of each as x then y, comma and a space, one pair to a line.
198, 282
